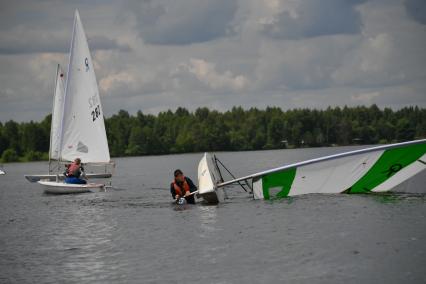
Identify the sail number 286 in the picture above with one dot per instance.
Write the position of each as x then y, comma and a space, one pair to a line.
96, 112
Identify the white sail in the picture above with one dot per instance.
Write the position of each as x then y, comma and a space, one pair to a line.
376, 169
83, 129
57, 113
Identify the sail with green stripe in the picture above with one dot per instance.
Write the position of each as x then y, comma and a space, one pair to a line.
376, 169
389, 164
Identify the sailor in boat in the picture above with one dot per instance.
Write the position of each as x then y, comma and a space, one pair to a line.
182, 186
74, 171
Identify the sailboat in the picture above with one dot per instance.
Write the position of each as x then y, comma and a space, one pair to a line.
376, 169
55, 159
78, 129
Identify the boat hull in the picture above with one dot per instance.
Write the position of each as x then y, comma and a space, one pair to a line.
68, 188
208, 178
36, 178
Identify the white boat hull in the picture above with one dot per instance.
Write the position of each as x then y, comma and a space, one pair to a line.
2, 172
208, 178
67, 188
36, 178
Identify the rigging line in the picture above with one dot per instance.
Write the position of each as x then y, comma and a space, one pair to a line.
216, 166
229, 172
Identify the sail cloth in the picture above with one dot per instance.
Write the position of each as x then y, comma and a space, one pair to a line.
83, 128
376, 169
57, 113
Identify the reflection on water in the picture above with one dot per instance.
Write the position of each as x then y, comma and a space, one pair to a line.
133, 233
88, 237
208, 219
391, 197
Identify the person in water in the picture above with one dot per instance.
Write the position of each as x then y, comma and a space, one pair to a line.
182, 186
74, 171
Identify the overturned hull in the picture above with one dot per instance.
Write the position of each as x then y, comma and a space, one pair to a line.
208, 178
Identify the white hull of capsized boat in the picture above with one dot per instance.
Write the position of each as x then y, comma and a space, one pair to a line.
66, 188
208, 178
2, 172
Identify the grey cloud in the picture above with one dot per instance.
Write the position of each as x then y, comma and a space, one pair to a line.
184, 22
35, 42
316, 18
294, 67
45, 26
104, 43
417, 10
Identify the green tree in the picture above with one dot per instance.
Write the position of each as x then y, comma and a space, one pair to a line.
9, 155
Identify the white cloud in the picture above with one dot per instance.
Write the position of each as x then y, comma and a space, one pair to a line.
114, 81
365, 98
206, 73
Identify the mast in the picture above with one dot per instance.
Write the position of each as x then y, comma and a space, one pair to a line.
53, 111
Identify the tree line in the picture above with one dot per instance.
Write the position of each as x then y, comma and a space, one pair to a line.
238, 129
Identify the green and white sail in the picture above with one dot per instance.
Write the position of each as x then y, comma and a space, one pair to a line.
376, 169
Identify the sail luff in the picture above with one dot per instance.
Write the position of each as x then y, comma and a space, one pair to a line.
57, 113
60, 158
53, 114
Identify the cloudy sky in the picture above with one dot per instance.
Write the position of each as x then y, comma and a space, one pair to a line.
156, 55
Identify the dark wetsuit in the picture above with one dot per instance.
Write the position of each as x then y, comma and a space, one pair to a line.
192, 188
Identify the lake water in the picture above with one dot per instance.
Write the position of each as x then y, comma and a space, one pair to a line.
132, 233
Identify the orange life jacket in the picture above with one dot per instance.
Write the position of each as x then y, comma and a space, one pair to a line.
73, 169
178, 189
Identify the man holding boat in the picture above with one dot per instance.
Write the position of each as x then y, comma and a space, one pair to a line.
182, 187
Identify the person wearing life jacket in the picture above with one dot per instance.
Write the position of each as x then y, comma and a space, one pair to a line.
74, 171
182, 186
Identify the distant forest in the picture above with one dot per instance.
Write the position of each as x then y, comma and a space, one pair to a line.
182, 131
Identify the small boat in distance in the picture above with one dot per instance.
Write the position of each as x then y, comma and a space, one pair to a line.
78, 129
376, 169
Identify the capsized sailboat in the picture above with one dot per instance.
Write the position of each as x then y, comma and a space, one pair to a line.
376, 169
78, 129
